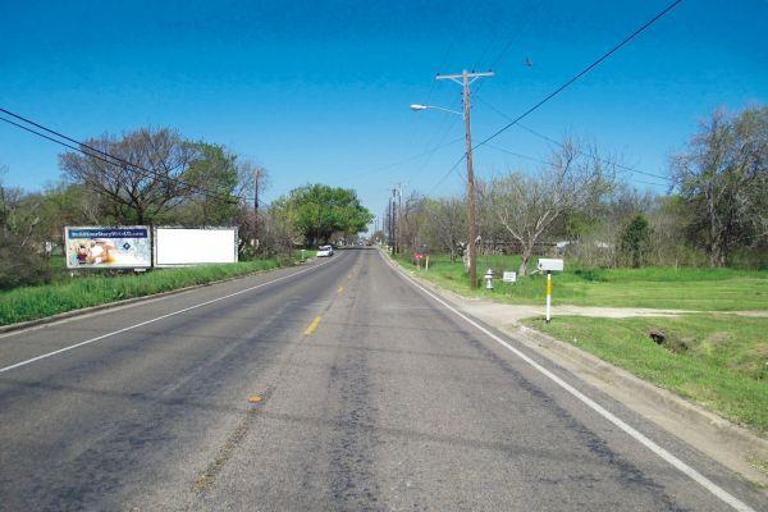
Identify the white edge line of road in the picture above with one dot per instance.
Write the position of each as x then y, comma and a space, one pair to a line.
694, 475
156, 319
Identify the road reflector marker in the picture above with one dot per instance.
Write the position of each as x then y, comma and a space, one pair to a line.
255, 399
312, 326
341, 289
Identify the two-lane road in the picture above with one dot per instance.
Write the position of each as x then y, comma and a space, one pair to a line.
336, 386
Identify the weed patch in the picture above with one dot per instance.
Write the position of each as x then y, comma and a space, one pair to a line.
29, 303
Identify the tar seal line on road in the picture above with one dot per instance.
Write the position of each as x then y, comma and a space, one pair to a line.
694, 475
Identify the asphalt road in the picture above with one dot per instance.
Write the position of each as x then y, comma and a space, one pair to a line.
367, 395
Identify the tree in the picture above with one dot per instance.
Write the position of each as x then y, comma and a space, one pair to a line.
214, 182
723, 178
252, 217
446, 224
128, 194
529, 206
22, 250
636, 241
318, 211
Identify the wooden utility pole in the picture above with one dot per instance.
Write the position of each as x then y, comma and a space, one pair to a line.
465, 79
256, 181
394, 221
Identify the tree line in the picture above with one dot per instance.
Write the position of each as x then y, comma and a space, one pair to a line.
158, 177
714, 211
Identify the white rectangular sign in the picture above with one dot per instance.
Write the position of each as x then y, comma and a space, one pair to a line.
510, 277
107, 247
180, 246
550, 264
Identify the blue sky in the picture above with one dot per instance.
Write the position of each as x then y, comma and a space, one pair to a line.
318, 91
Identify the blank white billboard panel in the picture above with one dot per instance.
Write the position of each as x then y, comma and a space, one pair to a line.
176, 246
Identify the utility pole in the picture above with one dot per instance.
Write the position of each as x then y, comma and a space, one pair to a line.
394, 221
256, 179
465, 79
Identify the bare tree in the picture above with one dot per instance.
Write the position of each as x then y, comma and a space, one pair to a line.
445, 226
21, 237
132, 194
252, 215
723, 177
528, 206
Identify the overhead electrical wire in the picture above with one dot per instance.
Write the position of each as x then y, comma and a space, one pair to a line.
568, 83
560, 144
551, 164
581, 73
102, 155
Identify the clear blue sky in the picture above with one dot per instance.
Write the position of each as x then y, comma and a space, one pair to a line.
318, 91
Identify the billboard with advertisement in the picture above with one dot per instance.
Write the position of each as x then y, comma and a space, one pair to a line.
108, 247
182, 246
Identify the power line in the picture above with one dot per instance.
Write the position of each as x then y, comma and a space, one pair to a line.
551, 164
581, 73
567, 84
445, 176
560, 144
428, 152
95, 153
510, 43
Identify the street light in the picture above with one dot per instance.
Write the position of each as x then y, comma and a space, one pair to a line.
465, 79
416, 107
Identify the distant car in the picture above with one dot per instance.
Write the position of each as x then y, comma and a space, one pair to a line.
324, 251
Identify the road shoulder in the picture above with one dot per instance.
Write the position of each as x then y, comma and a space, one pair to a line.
9, 329
732, 446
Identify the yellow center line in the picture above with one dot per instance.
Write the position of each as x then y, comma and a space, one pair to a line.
309, 330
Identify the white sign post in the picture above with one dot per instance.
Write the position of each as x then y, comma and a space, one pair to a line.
509, 277
550, 265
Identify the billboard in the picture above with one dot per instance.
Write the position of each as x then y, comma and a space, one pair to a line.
108, 247
181, 246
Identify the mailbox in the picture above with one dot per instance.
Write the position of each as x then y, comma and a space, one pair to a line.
550, 265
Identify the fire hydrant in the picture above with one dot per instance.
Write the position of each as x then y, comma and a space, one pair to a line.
489, 279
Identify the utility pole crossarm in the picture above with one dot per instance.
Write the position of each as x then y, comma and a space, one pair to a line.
470, 77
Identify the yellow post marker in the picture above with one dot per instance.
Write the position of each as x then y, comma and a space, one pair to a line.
549, 296
550, 265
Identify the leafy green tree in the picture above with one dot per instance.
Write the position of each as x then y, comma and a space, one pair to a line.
636, 241
318, 211
214, 180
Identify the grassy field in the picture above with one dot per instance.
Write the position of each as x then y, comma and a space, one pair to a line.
62, 295
681, 288
717, 360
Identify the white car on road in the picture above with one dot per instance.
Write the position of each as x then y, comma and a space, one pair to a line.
324, 251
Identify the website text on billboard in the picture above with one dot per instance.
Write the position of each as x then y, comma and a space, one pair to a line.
108, 247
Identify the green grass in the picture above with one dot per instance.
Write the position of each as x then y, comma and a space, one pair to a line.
34, 302
724, 368
698, 289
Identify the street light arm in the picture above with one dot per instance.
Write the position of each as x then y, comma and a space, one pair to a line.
417, 107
